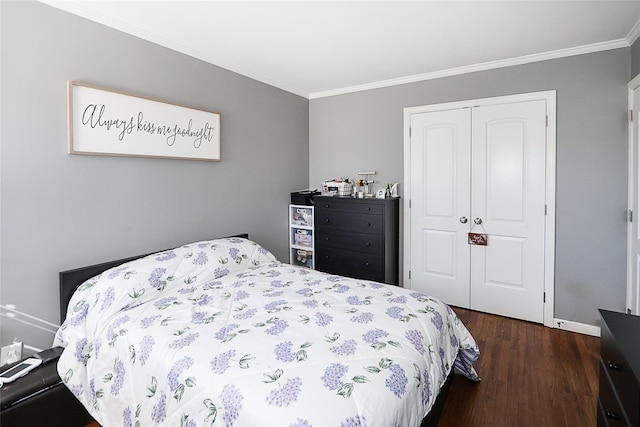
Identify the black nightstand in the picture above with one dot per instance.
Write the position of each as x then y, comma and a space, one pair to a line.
40, 399
619, 399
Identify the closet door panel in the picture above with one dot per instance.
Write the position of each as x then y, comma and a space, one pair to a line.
505, 261
508, 196
505, 169
439, 254
440, 167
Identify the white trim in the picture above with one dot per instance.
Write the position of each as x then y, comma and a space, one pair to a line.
630, 206
550, 183
632, 292
581, 328
520, 60
634, 33
548, 95
406, 190
550, 220
406, 194
634, 83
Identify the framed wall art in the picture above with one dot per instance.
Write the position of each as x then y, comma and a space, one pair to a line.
112, 123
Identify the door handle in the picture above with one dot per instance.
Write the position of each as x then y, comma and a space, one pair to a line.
477, 221
463, 220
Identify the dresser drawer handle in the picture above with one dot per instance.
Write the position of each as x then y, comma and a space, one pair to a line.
612, 415
368, 264
614, 366
326, 238
326, 220
368, 244
368, 224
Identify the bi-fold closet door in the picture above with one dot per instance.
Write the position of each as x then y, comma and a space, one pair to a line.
481, 170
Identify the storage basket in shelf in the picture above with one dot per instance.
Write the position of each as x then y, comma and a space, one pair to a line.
302, 237
302, 257
301, 216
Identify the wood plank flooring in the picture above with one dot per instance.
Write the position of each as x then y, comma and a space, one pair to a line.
532, 376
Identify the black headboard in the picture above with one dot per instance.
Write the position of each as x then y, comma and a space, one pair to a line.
71, 280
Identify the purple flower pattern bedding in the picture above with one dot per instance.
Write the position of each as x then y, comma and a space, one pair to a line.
219, 333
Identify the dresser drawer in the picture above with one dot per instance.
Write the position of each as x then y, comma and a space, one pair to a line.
357, 223
328, 204
365, 243
611, 413
617, 369
360, 266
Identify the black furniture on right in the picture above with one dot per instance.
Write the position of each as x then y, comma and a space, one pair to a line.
619, 399
357, 237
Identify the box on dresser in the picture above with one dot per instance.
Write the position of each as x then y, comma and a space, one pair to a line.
357, 237
303, 197
619, 397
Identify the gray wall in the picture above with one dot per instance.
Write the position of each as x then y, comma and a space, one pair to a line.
364, 131
635, 58
61, 211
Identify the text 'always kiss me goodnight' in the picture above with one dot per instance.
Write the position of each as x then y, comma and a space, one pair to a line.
95, 117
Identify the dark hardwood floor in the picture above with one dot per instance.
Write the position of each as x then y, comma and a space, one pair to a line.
532, 376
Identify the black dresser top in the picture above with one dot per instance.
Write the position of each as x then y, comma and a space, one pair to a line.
625, 329
356, 199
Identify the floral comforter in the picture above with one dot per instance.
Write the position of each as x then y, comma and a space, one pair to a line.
219, 333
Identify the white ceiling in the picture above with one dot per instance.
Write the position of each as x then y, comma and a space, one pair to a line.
323, 48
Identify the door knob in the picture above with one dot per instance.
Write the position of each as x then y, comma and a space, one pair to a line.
477, 221
463, 220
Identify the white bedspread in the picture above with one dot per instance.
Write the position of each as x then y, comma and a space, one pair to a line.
219, 333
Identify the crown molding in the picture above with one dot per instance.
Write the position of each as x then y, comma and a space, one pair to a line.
76, 8
561, 53
634, 33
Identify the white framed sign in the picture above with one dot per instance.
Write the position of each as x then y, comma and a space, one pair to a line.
112, 123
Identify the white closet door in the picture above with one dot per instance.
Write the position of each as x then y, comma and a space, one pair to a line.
508, 196
440, 167
487, 165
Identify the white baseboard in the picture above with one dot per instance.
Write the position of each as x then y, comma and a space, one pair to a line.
581, 328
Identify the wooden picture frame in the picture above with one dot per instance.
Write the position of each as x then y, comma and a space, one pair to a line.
112, 123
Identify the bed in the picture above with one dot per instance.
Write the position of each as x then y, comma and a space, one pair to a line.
220, 333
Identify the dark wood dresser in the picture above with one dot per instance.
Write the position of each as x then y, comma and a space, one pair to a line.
357, 237
619, 400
